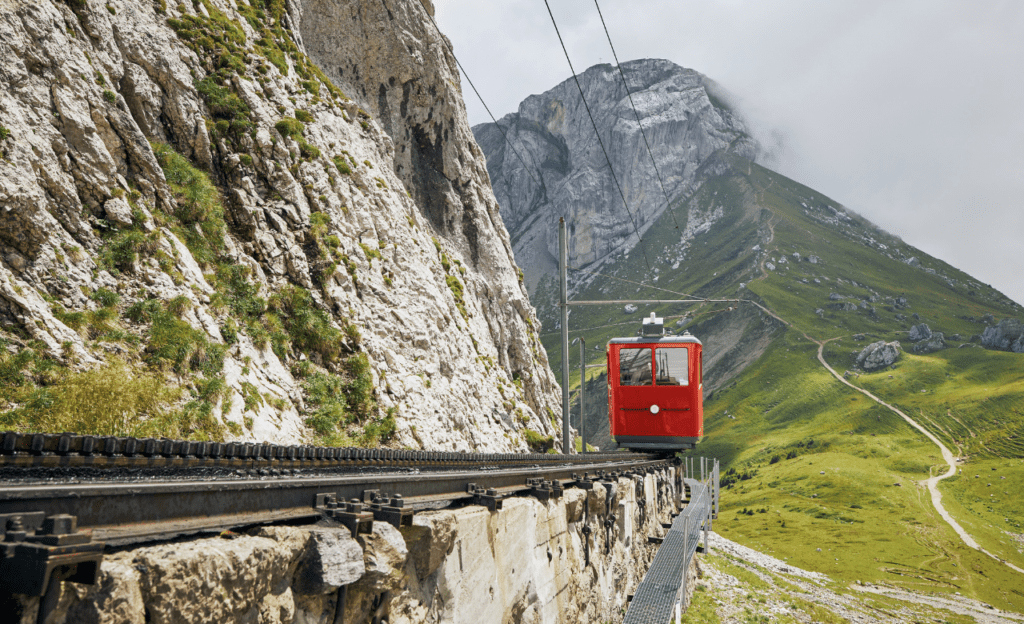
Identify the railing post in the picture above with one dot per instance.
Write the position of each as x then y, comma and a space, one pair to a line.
718, 491
707, 528
686, 542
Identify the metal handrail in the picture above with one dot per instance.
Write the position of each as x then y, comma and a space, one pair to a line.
660, 594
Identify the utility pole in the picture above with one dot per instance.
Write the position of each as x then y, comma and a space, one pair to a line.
563, 283
583, 392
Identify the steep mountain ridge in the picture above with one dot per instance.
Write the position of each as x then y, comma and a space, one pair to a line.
196, 215
685, 119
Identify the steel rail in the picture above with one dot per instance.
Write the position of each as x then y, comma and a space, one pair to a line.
65, 498
124, 512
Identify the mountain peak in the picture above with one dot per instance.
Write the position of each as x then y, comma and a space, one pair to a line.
685, 118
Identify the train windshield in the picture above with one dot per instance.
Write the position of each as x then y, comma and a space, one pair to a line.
634, 367
672, 366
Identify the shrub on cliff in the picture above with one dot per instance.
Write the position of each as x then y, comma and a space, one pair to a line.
112, 400
290, 127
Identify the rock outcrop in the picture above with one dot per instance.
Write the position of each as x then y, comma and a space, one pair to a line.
919, 332
346, 237
565, 173
935, 342
925, 340
555, 561
1007, 335
878, 355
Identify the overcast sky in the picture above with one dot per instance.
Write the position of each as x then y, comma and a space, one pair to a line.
910, 112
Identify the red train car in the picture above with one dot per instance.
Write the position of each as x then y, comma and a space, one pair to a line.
655, 390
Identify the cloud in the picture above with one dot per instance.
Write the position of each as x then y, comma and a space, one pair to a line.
907, 111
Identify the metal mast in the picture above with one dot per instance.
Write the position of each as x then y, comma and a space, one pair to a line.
563, 283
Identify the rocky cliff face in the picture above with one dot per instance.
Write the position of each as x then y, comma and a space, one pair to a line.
566, 175
191, 206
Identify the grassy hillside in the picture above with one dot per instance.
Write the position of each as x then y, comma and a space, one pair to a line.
814, 463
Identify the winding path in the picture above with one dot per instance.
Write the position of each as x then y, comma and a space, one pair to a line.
931, 482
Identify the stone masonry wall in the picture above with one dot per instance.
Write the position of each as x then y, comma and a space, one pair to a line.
526, 563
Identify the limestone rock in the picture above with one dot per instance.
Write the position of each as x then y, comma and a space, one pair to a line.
384, 556
86, 88
430, 540
936, 341
332, 559
1007, 335
118, 211
245, 579
919, 332
878, 355
114, 599
565, 174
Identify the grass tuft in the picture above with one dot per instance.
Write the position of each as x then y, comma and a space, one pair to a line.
110, 400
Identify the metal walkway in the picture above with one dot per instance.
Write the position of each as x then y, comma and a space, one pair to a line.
658, 597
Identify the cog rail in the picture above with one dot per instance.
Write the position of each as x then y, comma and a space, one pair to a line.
67, 497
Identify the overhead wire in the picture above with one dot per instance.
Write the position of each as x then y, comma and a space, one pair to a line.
668, 203
627, 281
643, 250
480, 97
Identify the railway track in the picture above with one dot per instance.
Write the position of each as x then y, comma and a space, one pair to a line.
66, 498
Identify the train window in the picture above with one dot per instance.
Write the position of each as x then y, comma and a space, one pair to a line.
634, 367
672, 366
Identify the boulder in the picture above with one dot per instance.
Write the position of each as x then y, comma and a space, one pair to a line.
836, 297
878, 355
919, 332
1008, 335
118, 211
935, 342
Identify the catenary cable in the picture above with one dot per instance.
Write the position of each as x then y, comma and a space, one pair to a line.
643, 250
618, 65
480, 97
622, 279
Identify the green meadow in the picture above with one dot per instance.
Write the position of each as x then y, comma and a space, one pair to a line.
821, 476
818, 473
